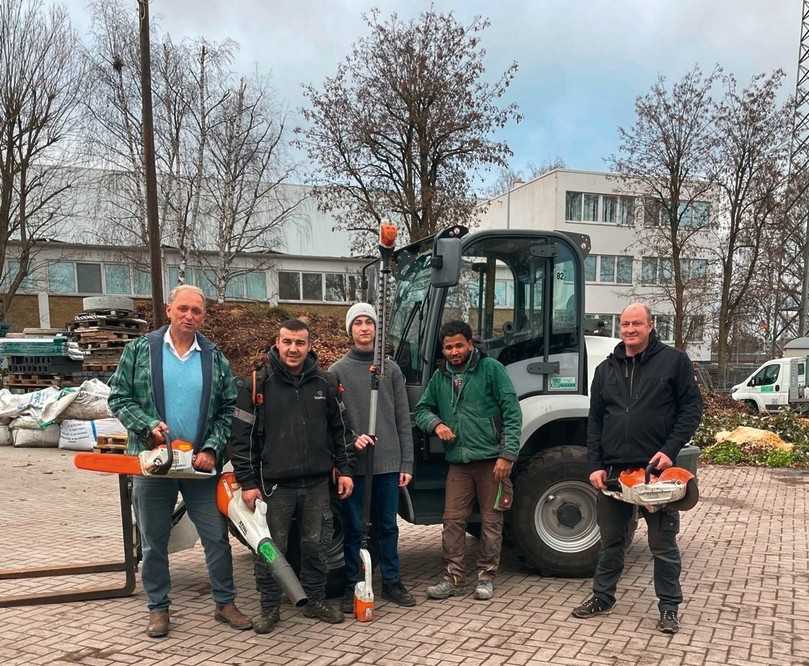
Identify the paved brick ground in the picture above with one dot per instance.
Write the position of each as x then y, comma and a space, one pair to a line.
746, 583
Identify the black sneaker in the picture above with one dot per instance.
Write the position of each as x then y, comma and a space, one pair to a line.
668, 622
347, 602
398, 594
590, 608
319, 610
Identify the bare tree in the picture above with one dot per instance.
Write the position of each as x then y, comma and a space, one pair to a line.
401, 127
185, 74
42, 82
750, 165
666, 154
245, 183
507, 177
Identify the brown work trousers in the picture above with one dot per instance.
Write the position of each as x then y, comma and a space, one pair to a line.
465, 483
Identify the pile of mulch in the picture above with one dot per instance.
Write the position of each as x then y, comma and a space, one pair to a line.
719, 403
245, 331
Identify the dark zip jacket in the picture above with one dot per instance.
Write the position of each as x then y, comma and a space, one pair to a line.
300, 432
640, 405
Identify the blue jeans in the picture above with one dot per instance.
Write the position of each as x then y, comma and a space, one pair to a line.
154, 501
384, 507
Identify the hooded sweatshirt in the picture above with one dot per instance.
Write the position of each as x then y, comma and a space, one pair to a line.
394, 437
640, 405
299, 432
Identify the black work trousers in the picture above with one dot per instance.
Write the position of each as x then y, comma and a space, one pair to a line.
614, 519
309, 504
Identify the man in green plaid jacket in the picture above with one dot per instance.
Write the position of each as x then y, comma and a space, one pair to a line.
174, 383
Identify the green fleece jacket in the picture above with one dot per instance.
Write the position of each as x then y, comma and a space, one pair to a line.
137, 399
485, 414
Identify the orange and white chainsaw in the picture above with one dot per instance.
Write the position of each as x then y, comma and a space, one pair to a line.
173, 461
673, 489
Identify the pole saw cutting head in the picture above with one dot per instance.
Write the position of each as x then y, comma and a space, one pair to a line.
674, 489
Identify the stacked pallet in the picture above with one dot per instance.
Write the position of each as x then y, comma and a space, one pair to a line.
103, 332
39, 362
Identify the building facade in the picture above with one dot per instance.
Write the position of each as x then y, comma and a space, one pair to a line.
618, 269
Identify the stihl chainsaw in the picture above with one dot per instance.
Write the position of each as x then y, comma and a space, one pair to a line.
673, 489
171, 461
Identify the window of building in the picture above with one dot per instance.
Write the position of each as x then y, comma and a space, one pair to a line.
256, 285
609, 209
623, 270
336, 287
116, 279
589, 207
62, 277
143, 282
695, 214
88, 278
289, 286
573, 206
664, 325
10, 270
604, 208
325, 287
312, 286
599, 324
615, 269
235, 287
590, 268
606, 272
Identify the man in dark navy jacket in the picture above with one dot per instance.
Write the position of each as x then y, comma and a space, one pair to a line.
644, 407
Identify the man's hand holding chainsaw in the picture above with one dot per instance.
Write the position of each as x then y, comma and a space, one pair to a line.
204, 461
659, 461
249, 497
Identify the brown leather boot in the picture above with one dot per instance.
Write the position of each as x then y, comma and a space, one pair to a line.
158, 624
229, 614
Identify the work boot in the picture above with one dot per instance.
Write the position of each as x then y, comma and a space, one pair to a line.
590, 608
263, 624
398, 594
347, 602
229, 614
158, 624
668, 622
320, 610
484, 590
445, 589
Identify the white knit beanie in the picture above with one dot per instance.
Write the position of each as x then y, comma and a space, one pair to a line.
359, 310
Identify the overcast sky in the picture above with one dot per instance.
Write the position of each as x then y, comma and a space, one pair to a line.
582, 62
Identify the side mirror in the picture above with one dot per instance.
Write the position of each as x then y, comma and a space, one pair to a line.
446, 262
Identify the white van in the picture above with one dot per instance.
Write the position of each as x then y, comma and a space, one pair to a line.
778, 383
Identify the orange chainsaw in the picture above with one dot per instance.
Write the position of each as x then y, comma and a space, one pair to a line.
173, 461
673, 489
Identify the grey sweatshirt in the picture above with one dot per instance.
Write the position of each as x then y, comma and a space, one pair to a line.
394, 438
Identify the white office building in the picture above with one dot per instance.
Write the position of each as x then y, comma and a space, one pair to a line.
618, 270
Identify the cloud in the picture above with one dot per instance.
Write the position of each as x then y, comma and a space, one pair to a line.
582, 62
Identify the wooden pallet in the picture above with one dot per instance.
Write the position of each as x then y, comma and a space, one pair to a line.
95, 320
99, 367
107, 333
19, 380
111, 444
108, 344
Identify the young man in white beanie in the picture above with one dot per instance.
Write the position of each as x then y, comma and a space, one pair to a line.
393, 456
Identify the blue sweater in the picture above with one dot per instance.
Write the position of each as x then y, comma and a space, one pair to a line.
182, 387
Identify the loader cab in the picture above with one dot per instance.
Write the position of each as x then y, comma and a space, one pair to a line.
522, 294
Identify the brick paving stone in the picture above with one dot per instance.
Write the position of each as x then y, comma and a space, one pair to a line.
745, 580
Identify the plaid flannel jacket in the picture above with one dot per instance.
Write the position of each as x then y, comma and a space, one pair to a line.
133, 396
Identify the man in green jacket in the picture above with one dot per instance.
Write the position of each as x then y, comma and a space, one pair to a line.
471, 406
174, 383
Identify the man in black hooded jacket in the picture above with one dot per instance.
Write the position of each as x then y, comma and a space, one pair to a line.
288, 435
644, 407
